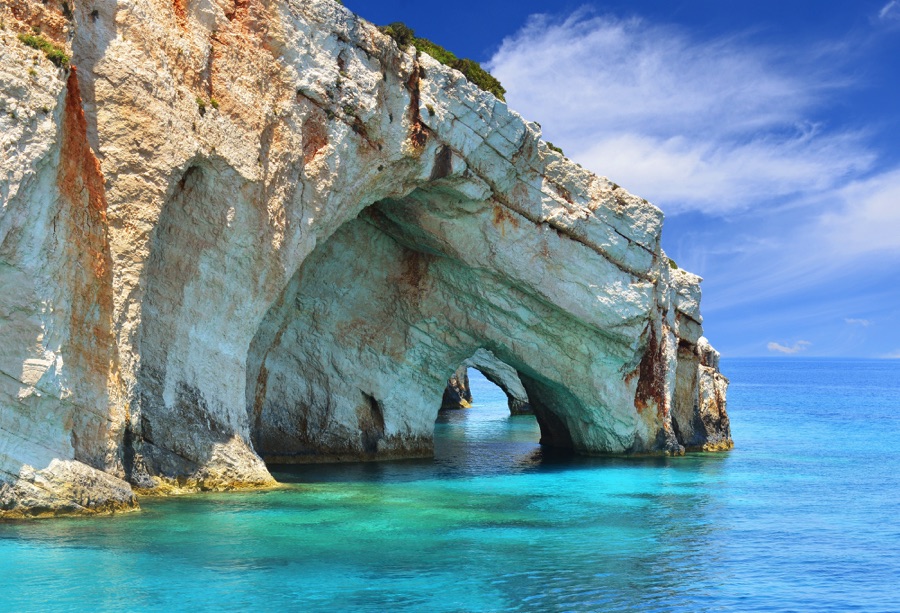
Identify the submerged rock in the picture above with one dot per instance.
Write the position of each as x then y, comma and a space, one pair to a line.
265, 231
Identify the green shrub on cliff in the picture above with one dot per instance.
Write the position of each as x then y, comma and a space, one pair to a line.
555, 148
480, 77
400, 32
53, 52
448, 58
406, 36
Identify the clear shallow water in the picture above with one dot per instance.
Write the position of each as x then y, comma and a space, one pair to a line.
802, 516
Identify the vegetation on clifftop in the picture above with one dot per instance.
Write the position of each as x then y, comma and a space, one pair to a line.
406, 36
555, 148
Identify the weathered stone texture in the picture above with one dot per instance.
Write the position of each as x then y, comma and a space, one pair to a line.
261, 229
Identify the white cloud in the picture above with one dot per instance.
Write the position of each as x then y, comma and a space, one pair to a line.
710, 125
685, 173
795, 348
857, 322
869, 220
889, 10
788, 215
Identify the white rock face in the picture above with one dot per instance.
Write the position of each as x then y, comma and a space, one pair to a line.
261, 229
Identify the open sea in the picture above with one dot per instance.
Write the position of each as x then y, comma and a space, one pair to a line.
804, 515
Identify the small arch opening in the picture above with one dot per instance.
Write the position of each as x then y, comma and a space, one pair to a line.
458, 393
485, 437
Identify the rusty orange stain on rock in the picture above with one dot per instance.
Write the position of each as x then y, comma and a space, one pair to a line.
315, 136
651, 381
418, 134
501, 216
84, 209
180, 8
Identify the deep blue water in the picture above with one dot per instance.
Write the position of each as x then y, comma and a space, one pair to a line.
801, 516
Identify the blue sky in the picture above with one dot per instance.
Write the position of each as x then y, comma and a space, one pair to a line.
768, 132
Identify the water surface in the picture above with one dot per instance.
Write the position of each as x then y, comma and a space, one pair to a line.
801, 516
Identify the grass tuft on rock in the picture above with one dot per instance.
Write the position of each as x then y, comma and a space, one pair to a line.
406, 36
54, 53
555, 148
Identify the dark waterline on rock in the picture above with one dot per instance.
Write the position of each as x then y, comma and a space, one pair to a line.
800, 516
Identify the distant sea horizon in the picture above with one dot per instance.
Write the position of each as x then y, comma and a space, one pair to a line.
800, 516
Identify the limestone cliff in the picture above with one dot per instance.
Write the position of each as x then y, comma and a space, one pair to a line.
233, 230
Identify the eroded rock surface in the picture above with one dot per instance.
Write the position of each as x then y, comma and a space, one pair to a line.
261, 229
64, 488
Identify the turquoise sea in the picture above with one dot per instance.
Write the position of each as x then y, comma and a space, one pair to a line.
804, 515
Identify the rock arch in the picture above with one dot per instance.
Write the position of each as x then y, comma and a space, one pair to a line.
502, 375
360, 346
233, 242
193, 328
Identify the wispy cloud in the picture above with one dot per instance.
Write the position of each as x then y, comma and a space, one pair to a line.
869, 217
894, 355
850, 321
795, 348
889, 10
709, 125
768, 195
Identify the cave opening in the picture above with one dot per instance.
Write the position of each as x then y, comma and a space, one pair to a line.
321, 337
458, 394
352, 362
485, 436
